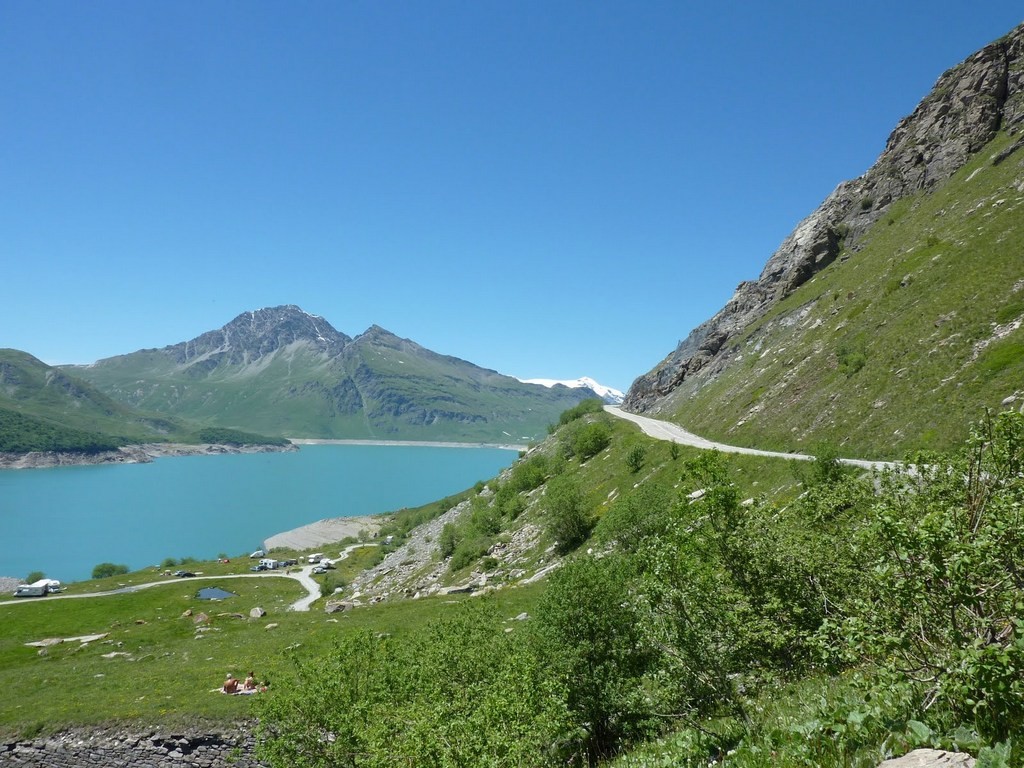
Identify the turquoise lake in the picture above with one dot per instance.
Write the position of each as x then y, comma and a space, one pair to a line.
63, 521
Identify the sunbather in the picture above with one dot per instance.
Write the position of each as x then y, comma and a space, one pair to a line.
230, 685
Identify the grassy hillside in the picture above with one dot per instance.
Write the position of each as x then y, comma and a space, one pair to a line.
161, 643
703, 609
45, 409
895, 347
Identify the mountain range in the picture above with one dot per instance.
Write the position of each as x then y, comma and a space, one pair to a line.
890, 319
283, 371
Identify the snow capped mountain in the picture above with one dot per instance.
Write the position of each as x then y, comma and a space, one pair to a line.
609, 395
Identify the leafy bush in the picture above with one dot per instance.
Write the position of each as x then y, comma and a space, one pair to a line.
469, 550
591, 439
485, 517
589, 633
943, 603
448, 540
568, 519
464, 692
103, 570
635, 517
850, 360
635, 458
529, 473
590, 405
330, 583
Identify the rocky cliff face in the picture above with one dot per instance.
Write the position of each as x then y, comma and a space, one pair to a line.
252, 335
964, 111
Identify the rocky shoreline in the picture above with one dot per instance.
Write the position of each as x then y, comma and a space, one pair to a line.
130, 454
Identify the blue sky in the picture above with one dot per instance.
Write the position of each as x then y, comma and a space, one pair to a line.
549, 189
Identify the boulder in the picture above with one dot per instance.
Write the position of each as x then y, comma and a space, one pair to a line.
930, 758
257, 613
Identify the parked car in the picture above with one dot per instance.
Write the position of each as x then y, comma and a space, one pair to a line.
259, 567
257, 553
184, 574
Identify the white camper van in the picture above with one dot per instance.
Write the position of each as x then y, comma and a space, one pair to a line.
36, 589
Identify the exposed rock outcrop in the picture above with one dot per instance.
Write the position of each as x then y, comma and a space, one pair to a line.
930, 758
967, 107
100, 748
252, 335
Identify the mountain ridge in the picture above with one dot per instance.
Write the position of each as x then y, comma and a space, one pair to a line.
281, 370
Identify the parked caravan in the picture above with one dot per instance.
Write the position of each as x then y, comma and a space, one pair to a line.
39, 588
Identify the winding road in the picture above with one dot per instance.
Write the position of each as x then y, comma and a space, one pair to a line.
664, 430
303, 576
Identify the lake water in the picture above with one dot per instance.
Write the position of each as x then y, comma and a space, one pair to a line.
65, 520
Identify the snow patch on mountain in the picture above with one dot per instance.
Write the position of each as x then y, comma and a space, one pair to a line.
609, 395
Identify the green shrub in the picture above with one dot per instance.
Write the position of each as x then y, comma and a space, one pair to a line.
103, 570
635, 458
448, 540
485, 517
590, 405
462, 693
331, 582
590, 636
850, 360
529, 473
941, 612
635, 517
591, 439
568, 519
469, 550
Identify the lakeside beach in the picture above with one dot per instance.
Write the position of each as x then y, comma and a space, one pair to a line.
325, 531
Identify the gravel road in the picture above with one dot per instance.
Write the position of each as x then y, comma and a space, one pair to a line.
664, 430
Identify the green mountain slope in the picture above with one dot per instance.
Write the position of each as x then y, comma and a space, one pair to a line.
890, 319
43, 408
283, 371
898, 346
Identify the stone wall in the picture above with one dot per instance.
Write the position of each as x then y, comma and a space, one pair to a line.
111, 749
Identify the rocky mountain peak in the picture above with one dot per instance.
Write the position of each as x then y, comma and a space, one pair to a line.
257, 333
968, 105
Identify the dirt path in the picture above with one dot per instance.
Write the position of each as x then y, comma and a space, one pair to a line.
302, 576
664, 430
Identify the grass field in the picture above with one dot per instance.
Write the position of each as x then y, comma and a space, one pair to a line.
156, 663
